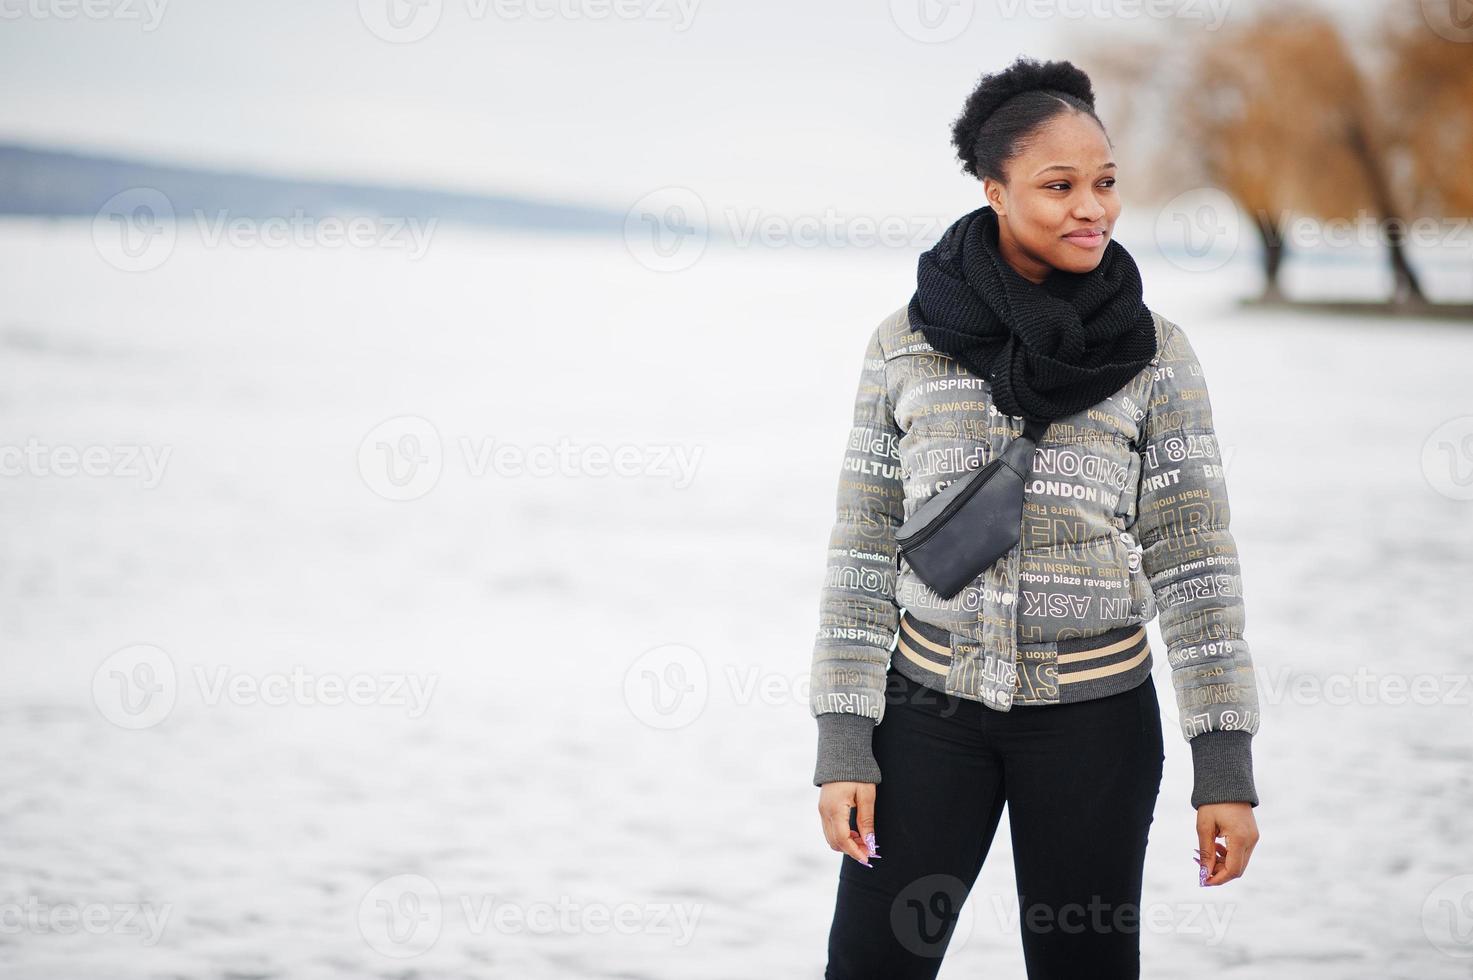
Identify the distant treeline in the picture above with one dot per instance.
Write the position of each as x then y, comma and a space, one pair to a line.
52, 183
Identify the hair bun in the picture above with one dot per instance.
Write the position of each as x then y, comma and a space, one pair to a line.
1023, 75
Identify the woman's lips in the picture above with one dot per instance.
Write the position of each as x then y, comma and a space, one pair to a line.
1093, 239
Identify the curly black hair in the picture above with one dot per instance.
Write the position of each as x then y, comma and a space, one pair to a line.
1007, 107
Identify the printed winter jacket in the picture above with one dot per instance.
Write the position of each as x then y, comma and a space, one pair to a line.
1125, 515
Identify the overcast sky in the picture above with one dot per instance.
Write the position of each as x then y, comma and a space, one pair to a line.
787, 106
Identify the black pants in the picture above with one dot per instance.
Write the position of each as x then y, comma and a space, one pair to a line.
1080, 781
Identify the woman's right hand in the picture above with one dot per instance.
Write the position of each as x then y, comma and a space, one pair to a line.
834, 803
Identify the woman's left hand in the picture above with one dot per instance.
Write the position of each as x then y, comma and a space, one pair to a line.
1233, 821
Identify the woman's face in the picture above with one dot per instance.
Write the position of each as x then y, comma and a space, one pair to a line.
1058, 207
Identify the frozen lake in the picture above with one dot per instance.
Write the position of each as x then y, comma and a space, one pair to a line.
347, 654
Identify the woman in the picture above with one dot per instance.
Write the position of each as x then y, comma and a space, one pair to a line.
1032, 686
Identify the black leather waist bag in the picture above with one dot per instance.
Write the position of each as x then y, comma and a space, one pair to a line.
958, 533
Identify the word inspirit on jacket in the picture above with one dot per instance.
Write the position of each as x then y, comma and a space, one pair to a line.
1125, 515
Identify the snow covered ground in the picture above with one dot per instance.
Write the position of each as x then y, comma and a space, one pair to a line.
278, 704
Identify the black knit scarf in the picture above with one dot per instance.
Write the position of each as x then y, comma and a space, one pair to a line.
1047, 350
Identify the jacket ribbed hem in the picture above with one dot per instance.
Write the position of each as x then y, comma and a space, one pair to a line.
1077, 669
1083, 669
1222, 767
845, 749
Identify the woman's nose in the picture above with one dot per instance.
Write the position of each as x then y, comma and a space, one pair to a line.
1089, 210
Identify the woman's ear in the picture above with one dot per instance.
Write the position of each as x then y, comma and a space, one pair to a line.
993, 191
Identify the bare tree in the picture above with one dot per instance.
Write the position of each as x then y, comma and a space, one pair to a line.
1426, 94
1273, 110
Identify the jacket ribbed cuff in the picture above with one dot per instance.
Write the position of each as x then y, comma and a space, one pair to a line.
845, 749
1222, 768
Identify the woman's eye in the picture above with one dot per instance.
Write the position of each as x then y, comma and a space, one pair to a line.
1064, 185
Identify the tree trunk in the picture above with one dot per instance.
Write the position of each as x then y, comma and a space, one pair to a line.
1406, 287
1273, 255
